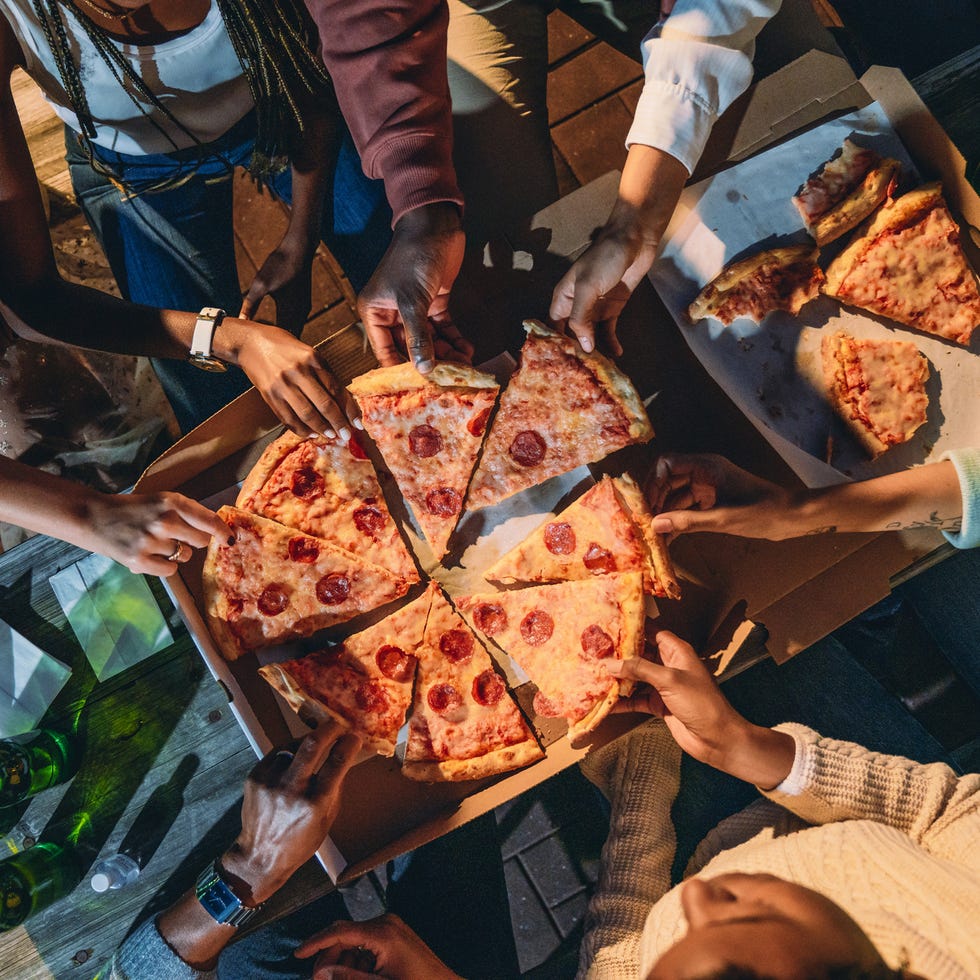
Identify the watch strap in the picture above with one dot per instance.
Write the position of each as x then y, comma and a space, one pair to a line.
218, 899
202, 340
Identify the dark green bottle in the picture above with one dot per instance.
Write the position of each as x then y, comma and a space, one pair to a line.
33, 879
33, 762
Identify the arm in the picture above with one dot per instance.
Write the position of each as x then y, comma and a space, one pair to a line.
39, 305
709, 493
290, 802
139, 531
697, 61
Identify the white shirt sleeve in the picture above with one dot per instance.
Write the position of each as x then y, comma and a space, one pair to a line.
967, 465
696, 62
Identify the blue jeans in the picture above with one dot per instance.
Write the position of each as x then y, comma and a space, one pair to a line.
175, 248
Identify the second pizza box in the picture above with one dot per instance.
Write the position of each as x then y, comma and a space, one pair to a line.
736, 590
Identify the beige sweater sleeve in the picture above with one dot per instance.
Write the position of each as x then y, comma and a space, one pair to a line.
640, 774
834, 780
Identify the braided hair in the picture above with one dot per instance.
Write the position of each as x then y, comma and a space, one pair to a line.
275, 44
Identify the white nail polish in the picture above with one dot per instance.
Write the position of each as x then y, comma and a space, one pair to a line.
329, 434
358, 424
344, 433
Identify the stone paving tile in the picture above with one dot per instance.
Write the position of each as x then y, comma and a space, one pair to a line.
593, 141
555, 873
565, 36
591, 75
535, 934
570, 914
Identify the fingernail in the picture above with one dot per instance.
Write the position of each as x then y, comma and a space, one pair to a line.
358, 424
329, 434
615, 667
586, 344
663, 525
425, 365
344, 433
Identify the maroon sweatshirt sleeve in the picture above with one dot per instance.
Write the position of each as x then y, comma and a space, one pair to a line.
387, 59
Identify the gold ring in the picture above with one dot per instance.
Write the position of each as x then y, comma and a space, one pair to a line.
178, 552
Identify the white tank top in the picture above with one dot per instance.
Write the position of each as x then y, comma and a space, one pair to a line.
197, 76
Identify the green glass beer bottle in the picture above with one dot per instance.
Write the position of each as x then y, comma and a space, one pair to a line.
32, 762
33, 879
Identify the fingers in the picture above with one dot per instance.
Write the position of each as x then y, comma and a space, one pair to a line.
341, 936
378, 325
675, 652
418, 337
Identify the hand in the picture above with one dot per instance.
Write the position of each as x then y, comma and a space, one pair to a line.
295, 383
381, 947
710, 493
411, 287
143, 530
286, 276
681, 690
291, 800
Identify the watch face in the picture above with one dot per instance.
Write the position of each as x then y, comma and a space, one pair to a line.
207, 363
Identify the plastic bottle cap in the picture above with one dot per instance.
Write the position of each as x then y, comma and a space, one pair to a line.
100, 882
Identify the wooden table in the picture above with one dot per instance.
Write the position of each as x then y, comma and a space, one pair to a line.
160, 734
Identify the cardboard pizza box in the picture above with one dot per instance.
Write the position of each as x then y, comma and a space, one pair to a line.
737, 591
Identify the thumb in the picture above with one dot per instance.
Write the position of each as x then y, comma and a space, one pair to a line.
418, 337
674, 652
684, 521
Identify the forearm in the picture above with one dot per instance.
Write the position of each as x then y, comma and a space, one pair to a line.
925, 496
311, 166
651, 184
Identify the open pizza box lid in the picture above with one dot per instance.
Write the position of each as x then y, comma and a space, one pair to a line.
736, 590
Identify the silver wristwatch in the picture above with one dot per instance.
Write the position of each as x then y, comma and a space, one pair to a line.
220, 902
208, 320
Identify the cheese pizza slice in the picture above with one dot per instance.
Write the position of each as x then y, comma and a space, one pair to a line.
327, 488
429, 429
365, 682
608, 529
465, 724
274, 584
845, 191
877, 387
562, 408
563, 636
909, 266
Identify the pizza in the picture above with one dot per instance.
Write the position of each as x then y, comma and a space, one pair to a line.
845, 191
365, 683
908, 265
562, 636
275, 583
429, 429
327, 488
877, 387
562, 408
464, 723
606, 530
785, 278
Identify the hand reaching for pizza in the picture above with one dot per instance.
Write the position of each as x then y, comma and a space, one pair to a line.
710, 493
381, 947
408, 294
680, 690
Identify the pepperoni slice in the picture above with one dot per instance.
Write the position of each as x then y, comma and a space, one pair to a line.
477, 424
537, 627
598, 560
395, 663
488, 688
545, 707
368, 520
443, 502
456, 645
425, 441
371, 696
443, 698
528, 448
490, 618
273, 600
559, 538
596, 643
333, 589
355, 448
306, 483
303, 549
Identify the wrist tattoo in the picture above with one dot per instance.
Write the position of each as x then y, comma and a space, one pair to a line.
951, 524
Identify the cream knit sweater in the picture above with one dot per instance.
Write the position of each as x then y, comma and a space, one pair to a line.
896, 844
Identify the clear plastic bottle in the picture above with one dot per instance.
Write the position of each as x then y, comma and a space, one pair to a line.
114, 872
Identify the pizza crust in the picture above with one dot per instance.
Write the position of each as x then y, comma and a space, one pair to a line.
492, 763
655, 544
877, 185
405, 377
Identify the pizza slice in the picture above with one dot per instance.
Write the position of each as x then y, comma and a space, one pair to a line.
327, 488
845, 191
606, 530
562, 408
877, 387
365, 682
563, 636
275, 584
465, 724
908, 265
785, 278
429, 429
